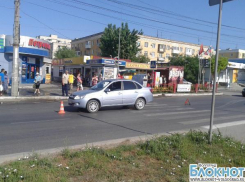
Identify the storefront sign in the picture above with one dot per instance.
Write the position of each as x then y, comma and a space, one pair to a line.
236, 65
39, 44
153, 64
60, 69
48, 78
31, 60
1, 43
105, 61
184, 88
137, 65
57, 62
68, 62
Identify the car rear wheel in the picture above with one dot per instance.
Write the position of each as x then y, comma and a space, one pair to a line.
93, 106
139, 104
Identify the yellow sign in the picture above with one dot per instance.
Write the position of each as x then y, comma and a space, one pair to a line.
137, 65
72, 61
48, 78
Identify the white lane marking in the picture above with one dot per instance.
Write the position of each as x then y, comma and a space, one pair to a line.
156, 110
230, 103
223, 125
174, 113
28, 122
208, 119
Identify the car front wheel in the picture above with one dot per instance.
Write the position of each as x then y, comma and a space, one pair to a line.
139, 104
93, 106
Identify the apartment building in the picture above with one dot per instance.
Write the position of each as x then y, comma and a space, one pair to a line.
153, 47
87, 46
232, 53
55, 43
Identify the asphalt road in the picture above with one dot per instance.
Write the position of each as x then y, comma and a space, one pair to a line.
31, 126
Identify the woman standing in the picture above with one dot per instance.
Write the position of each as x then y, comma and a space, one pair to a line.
94, 80
79, 82
37, 81
6, 82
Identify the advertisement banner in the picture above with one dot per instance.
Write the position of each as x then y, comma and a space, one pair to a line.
108, 73
157, 77
184, 88
176, 74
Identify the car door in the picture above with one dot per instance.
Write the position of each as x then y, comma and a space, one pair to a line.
130, 92
114, 96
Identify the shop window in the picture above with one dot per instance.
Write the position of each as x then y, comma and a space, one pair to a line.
128, 85
115, 86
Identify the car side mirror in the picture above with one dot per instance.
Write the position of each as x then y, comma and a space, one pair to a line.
107, 90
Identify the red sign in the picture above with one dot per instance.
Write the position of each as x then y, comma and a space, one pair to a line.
39, 44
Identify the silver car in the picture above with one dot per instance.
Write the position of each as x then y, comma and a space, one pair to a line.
114, 92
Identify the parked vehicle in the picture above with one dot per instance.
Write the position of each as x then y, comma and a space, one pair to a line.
113, 92
243, 92
186, 82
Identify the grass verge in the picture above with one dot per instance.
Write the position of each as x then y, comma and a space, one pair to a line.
162, 159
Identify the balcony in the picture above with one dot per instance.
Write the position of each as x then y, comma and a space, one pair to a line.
161, 48
160, 59
88, 46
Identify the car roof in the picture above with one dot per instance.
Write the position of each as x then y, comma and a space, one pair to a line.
112, 80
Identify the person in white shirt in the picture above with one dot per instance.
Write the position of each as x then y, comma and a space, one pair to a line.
65, 82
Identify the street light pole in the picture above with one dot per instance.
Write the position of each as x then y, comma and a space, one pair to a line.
16, 42
119, 44
215, 72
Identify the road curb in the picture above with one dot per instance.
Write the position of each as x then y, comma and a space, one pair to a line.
190, 94
33, 98
101, 144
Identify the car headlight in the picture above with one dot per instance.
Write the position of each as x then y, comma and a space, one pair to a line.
78, 97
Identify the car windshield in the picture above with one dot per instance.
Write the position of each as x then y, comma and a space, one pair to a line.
100, 85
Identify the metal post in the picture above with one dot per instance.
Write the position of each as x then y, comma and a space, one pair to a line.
215, 71
119, 44
16, 42
210, 73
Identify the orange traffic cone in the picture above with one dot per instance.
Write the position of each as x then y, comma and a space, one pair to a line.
62, 110
187, 102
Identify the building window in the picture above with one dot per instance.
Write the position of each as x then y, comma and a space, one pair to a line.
193, 51
146, 44
92, 52
167, 56
231, 55
78, 53
153, 54
181, 49
146, 53
92, 42
138, 44
168, 47
153, 45
243, 55
160, 55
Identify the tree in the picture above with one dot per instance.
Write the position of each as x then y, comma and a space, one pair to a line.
128, 42
190, 66
65, 52
222, 64
140, 59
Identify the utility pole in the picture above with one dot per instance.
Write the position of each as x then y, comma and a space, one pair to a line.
16, 42
119, 44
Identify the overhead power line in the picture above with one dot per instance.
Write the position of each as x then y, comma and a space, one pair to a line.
142, 8
137, 23
157, 21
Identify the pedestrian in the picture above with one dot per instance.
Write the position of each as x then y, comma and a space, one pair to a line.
37, 81
79, 82
1, 88
6, 82
164, 81
2, 75
161, 80
94, 80
65, 79
71, 80
148, 80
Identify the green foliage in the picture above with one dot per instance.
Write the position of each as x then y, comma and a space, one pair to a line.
222, 64
128, 41
65, 52
140, 59
190, 66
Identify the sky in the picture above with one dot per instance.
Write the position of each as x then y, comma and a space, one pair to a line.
191, 21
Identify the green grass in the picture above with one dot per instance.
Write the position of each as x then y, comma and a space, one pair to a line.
165, 158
